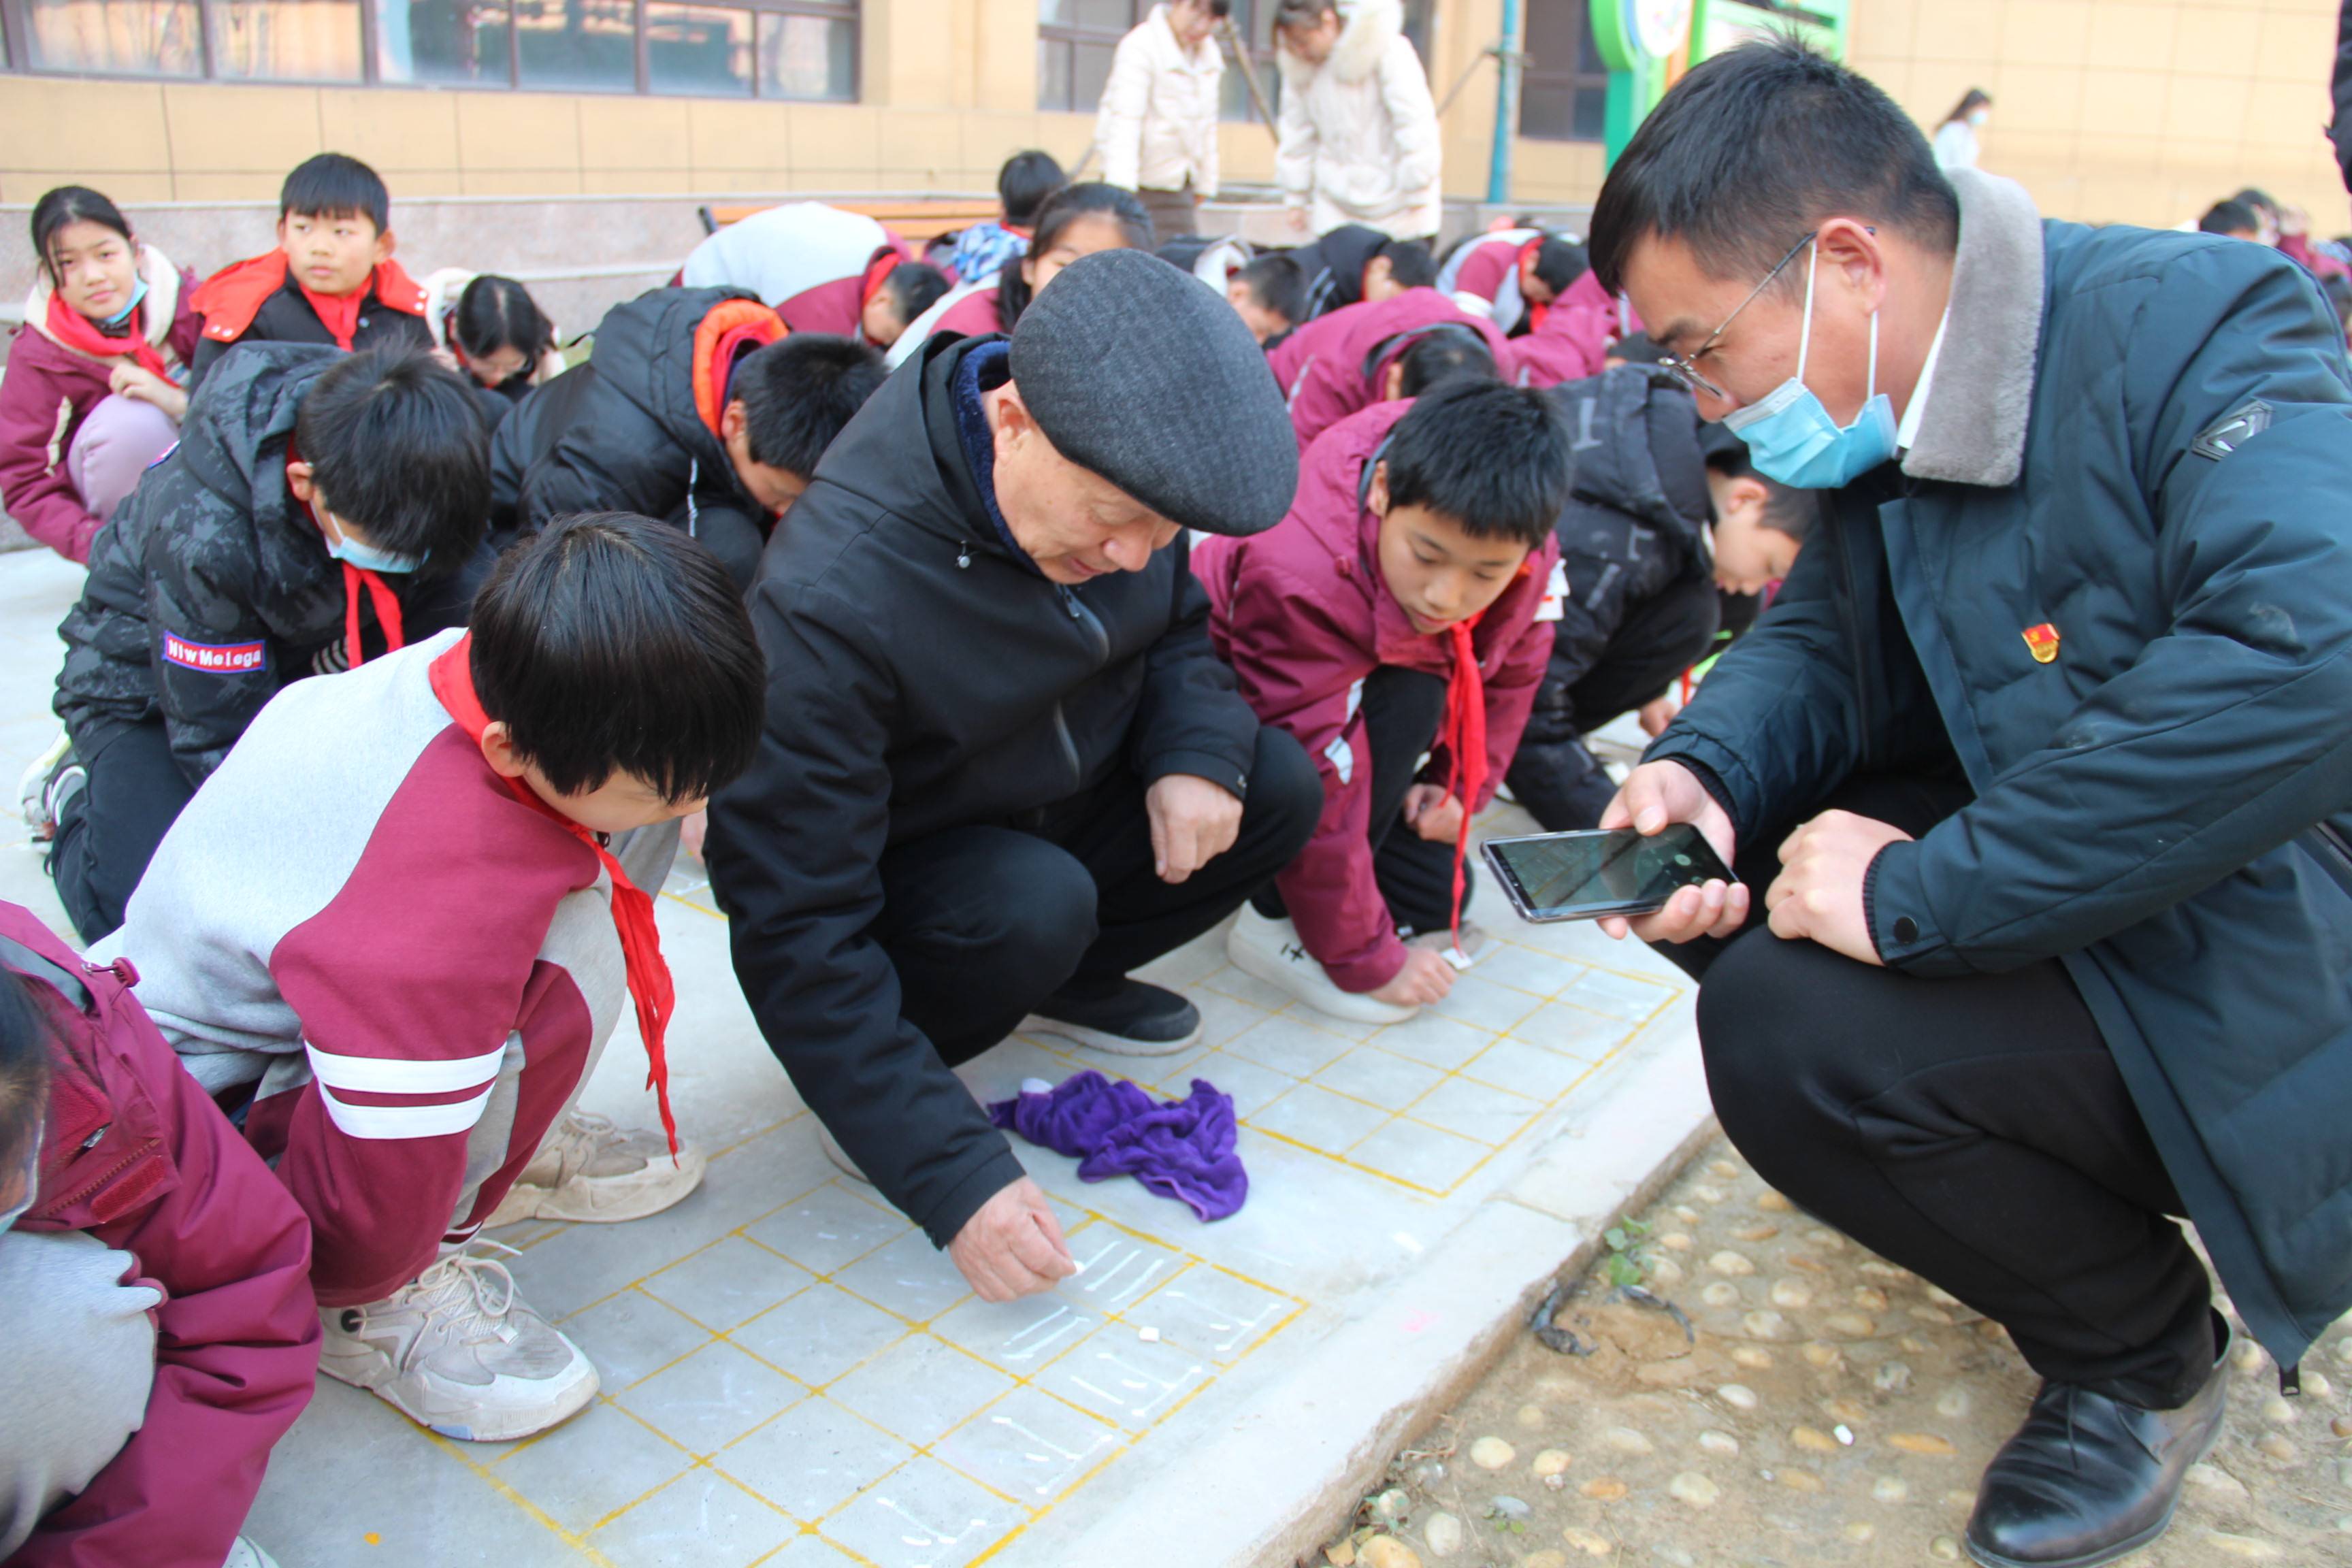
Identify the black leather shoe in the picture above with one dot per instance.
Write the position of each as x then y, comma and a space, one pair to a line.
1132, 1018
2089, 1479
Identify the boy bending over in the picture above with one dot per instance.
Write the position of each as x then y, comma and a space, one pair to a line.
392, 926
1402, 607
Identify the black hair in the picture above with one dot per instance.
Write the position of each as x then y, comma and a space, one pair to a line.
494, 313
71, 205
1301, 13
1278, 285
1974, 99
1410, 262
1441, 358
2229, 218
798, 392
1755, 147
395, 444
1025, 183
914, 287
25, 1045
1787, 508
1638, 349
1063, 208
1221, 9
333, 185
610, 643
2256, 197
1493, 459
1559, 263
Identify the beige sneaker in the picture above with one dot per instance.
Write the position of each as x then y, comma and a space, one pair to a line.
458, 1351
588, 1169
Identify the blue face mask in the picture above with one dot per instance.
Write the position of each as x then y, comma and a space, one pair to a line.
367, 557
1791, 438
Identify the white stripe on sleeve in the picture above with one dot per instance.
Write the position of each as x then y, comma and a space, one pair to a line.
393, 1074
404, 1121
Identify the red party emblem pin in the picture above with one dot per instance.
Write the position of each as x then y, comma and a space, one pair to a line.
2041, 642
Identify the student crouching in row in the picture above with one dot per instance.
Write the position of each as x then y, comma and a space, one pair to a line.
391, 930
494, 334
161, 1331
1402, 607
320, 510
93, 391
1077, 220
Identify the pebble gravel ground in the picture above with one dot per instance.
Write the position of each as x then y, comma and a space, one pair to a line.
1822, 1407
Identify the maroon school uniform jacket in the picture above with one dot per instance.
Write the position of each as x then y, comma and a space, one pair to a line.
1572, 338
1337, 364
50, 389
135, 1154
410, 967
1303, 615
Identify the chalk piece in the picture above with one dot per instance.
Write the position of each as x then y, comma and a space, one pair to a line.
1148, 1335
1035, 1086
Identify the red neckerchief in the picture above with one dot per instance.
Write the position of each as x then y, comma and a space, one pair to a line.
1464, 733
356, 579
633, 908
877, 273
339, 313
77, 331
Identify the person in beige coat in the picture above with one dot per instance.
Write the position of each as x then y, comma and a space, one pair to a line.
1358, 135
1157, 126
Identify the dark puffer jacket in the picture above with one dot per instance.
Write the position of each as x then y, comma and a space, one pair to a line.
212, 589
623, 432
2133, 459
921, 677
1635, 528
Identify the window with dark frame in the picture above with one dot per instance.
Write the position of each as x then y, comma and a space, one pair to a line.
804, 49
1564, 90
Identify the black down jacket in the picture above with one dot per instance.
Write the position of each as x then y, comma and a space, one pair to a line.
620, 433
211, 588
921, 676
1635, 527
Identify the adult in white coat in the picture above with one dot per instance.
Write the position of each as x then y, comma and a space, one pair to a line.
1156, 127
1358, 135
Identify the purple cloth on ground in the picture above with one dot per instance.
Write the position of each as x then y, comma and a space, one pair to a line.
1182, 1149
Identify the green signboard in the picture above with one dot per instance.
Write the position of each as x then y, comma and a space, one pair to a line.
1643, 42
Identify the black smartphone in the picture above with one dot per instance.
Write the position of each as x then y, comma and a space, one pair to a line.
1584, 876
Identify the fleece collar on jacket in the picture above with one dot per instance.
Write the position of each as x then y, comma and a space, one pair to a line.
161, 307
1368, 27
1972, 427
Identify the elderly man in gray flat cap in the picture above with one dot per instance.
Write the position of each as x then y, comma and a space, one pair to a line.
1002, 768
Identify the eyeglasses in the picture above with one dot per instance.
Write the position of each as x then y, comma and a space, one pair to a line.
1684, 367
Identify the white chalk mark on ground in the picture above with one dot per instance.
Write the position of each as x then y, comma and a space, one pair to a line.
1076, 1325
1069, 1457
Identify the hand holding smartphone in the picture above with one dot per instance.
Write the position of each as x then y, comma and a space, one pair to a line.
1586, 876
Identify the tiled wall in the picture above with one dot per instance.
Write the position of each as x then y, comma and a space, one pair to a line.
2141, 111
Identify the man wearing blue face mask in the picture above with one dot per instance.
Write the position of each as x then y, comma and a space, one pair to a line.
2037, 776
320, 509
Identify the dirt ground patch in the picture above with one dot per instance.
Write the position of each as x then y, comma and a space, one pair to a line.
1771, 1394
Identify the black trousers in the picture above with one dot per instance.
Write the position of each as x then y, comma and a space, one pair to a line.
109, 832
1401, 710
984, 923
1555, 775
1974, 1130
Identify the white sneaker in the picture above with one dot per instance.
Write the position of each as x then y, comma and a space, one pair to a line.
244, 1553
458, 1351
588, 1169
1271, 950
37, 788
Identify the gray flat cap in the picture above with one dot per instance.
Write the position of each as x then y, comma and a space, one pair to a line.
1137, 373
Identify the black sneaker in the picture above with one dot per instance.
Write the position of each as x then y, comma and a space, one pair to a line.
1132, 1019
2089, 1479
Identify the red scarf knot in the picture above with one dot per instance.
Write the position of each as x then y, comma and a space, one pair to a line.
78, 332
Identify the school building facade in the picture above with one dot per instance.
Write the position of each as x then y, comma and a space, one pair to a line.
2140, 110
